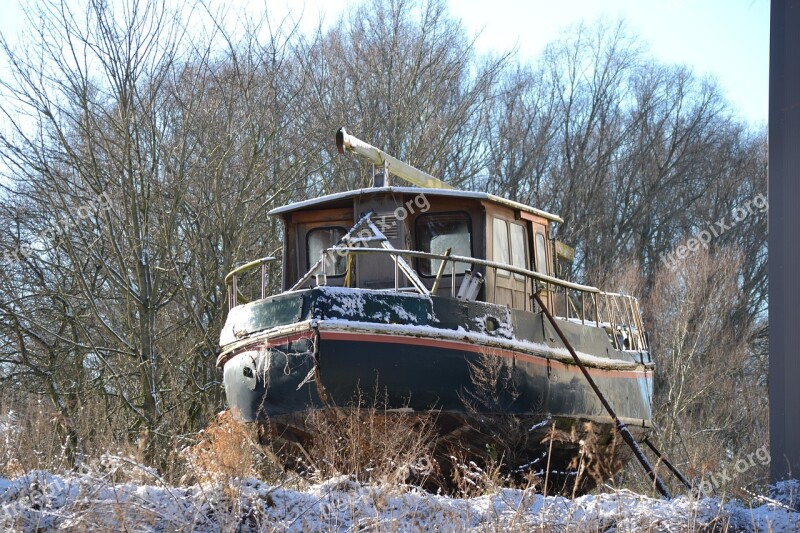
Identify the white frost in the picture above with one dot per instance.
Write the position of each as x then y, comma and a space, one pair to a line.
475, 338
47, 501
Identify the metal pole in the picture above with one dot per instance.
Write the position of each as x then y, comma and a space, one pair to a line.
627, 436
440, 271
667, 463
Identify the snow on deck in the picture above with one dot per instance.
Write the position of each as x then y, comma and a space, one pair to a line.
476, 338
45, 501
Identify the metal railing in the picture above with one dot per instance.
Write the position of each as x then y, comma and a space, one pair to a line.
235, 297
618, 314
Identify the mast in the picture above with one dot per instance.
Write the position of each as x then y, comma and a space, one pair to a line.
379, 158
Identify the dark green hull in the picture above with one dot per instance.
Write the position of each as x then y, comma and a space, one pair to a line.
323, 349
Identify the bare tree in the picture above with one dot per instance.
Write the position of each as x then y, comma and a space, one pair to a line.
404, 74
709, 398
140, 164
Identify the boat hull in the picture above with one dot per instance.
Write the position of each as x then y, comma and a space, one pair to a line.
322, 367
480, 393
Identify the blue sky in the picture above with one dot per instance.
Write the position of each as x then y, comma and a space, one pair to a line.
726, 39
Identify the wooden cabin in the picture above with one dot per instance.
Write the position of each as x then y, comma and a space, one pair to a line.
470, 224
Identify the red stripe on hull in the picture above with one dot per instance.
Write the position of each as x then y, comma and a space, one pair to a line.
273, 341
465, 346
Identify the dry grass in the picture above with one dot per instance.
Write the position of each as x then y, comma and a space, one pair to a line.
370, 453
226, 449
368, 443
225, 479
33, 437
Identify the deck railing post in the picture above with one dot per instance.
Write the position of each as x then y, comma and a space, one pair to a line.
494, 292
396, 275
583, 308
453, 279
640, 325
633, 324
322, 277
235, 292
263, 280
596, 310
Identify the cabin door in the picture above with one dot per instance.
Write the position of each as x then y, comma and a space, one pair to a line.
540, 258
509, 246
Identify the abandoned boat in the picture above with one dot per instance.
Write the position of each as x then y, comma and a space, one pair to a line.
425, 293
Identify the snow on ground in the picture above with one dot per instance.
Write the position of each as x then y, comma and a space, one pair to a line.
42, 500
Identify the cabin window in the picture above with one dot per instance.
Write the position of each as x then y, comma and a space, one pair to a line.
508, 246
436, 233
319, 239
500, 248
518, 248
541, 254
